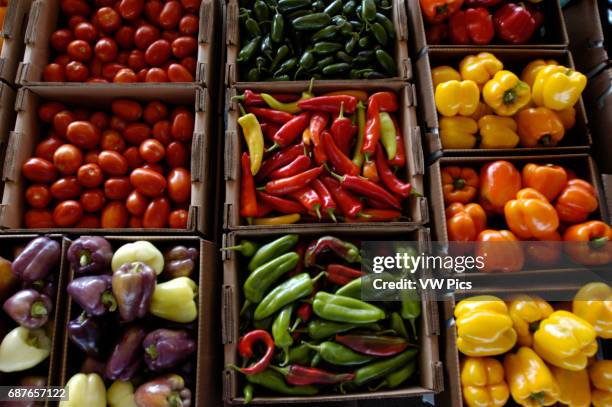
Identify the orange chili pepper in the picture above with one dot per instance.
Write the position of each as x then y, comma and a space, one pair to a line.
548, 179
539, 126
588, 243
459, 184
545, 251
576, 201
501, 251
530, 215
465, 222
499, 183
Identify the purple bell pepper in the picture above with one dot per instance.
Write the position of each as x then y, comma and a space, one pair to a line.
126, 358
37, 259
88, 334
90, 255
94, 294
133, 285
29, 308
166, 348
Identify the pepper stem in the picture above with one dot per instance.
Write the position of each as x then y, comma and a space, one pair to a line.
319, 276
330, 212
38, 310
333, 174
109, 301
311, 346
341, 114
174, 400
509, 97
311, 85
534, 326
598, 242
242, 111
459, 183
379, 386
282, 370
239, 98
152, 351
295, 324
84, 258
538, 397
274, 147
414, 192
545, 140
317, 209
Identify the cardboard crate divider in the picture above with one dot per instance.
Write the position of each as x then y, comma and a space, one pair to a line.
56, 333
232, 44
430, 380
7, 119
417, 206
554, 22
43, 22
22, 140
516, 59
12, 34
206, 391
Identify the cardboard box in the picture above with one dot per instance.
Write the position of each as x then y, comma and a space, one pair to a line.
7, 119
12, 34
586, 40
232, 42
43, 22
430, 370
206, 389
416, 206
555, 38
22, 142
577, 139
50, 367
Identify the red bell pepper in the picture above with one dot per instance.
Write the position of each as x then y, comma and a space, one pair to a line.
309, 198
329, 104
300, 164
288, 185
388, 177
245, 349
436, 11
290, 130
250, 98
341, 275
339, 161
386, 101
279, 159
400, 156
374, 345
368, 189
327, 201
471, 26
516, 24
270, 115
279, 204
248, 198
349, 204
437, 34
482, 3
341, 130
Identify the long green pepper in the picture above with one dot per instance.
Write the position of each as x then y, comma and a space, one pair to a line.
276, 382
387, 134
272, 250
297, 287
361, 122
262, 278
383, 367
345, 309
321, 329
339, 355
394, 379
280, 331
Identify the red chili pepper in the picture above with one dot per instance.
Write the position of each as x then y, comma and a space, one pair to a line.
369, 171
400, 157
376, 204
340, 274
300, 249
263, 210
376, 215
388, 177
288, 185
367, 188
309, 198
270, 115
281, 205
304, 311
297, 375
269, 130
330, 104
375, 345
291, 130
372, 130
349, 204
386, 101
471, 26
327, 201
250, 98
341, 129
329, 244
245, 349
248, 199
300, 164
279, 159
339, 161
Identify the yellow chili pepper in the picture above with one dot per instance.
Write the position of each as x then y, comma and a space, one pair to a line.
480, 68
359, 94
567, 117
526, 312
292, 107
443, 74
251, 130
565, 340
277, 220
454, 97
558, 87
574, 387
482, 110
593, 303
600, 374
531, 381
506, 93
531, 70
484, 327
497, 132
482, 382
458, 132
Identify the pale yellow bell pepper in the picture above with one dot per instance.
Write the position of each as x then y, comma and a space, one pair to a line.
558, 87
457, 98
506, 93
593, 303
121, 394
175, 300
531, 381
85, 390
574, 387
480, 68
497, 132
482, 382
443, 74
458, 132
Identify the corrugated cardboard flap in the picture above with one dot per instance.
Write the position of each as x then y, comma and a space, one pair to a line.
35, 11
8, 29
9, 172
206, 21
231, 170
227, 332
438, 369
232, 29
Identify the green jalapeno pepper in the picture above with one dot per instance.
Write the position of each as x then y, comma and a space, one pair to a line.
397, 324
278, 28
299, 355
248, 51
325, 33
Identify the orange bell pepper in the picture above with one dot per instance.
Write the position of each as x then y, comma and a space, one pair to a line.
545, 251
530, 215
548, 179
499, 183
459, 184
501, 251
567, 117
436, 11
464, 223
539, 126
588, 243
576, 201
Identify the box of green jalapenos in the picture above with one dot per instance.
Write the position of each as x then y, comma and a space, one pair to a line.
295, 329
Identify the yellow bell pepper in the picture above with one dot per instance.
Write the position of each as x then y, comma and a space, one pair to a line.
121, 394
567, 117
174, 300
526, 312
531, 70
574, 387
531, 381
506, 93
565, 340
593, 303
600, 374
458, 132
480, 68
484, 327
482, 110
482, 382
443, 74
454, 97
558, 87
85, 390
497, 132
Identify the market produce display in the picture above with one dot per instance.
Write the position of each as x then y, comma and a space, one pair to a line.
125, 41
132, 324
482, 22
302, 304
541, 203
539, 353
312, 158
483, 105
301, 39
125, 167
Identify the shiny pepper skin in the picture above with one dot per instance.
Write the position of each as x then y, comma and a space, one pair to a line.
506, 93
577, 201
454, 97
548, 179
482, 382
593, 303
530, 215
465, 222
558, 87
531, 381
480, 68
526, 311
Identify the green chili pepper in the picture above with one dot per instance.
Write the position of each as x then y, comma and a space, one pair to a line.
371, 74
318, 5
357, 154
326, 47
357, 25
366, 42
386, 61
246, 247
383, 367
280, 331
307, 60
286, 6
311, 21
325, 33
277, 32
262, 278
297, 287
345, 309
353, 288
320, 329
336, 68
411, 308
253, 75
351, 43
339, 355
335, 7
264, 324
248, 393
344, 57
252, 27
368, 10
379, 33
387, 24
260, 63
397, 324
298, 14
397, 377
299, 355
272, 250
276, 382
266, 47
262, 12
346, 28
387, 134
324, 62
349, 8
247, 52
